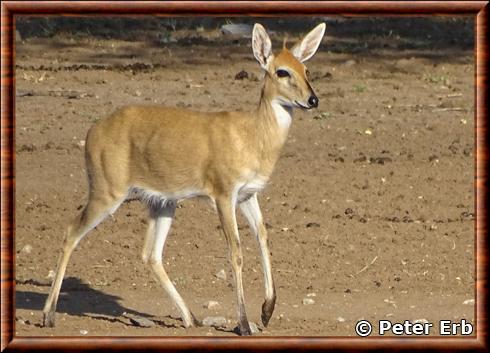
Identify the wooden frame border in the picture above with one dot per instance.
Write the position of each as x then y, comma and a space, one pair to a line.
9, 9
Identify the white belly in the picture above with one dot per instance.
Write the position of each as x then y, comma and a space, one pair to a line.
156, 198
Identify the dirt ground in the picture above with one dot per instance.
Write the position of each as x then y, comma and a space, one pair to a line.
370, 209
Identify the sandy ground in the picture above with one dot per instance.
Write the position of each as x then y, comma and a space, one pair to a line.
370, 209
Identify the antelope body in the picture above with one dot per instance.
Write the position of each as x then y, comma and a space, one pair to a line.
170, 154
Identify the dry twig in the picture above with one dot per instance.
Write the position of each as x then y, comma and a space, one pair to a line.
367, 266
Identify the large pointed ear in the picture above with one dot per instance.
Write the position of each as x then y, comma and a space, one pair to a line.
261, 45
307, 47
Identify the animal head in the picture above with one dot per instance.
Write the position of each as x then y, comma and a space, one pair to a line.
286, 71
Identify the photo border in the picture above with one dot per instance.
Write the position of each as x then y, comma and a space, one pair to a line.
9, 9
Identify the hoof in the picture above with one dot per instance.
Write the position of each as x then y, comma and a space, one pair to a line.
246, 332
196, 322
192, 322
267, 310
48, 319
243, 331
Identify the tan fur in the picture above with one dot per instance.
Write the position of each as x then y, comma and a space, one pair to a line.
169, 149
169, 154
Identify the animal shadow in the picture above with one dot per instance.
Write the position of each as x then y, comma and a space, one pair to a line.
79, 299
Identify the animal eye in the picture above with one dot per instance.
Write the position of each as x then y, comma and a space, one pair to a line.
282, 73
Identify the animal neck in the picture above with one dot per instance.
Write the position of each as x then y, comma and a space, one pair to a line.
271, 126
274, 116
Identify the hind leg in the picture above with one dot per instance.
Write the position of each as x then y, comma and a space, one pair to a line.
95, 211
161, 220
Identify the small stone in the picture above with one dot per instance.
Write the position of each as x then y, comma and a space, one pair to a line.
210, 304
254, 328
380, 160
308, 301
214, 321
469, 302
27, 148
348, 211
312, 224
27, 249
340, 319
311, 295
221, 274
350, 63
83, 332
241, 75
322, 116
238, 29
421, 321
50, 275
141, 321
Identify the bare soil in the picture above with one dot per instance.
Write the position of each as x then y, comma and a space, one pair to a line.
370, 209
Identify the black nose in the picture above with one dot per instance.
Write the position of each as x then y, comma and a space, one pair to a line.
313, 102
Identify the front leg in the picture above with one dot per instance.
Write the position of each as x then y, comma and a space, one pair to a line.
226, 211
251, 210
